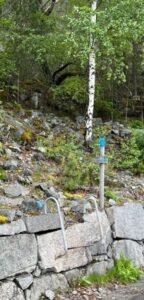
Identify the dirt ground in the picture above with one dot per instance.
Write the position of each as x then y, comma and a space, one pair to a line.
130, 292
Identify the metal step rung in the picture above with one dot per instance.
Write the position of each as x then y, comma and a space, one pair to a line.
60, 217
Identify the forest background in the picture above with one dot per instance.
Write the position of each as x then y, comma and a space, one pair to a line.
45, 48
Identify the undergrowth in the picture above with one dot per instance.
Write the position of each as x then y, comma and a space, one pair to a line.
80, 169
124, 272
131, 154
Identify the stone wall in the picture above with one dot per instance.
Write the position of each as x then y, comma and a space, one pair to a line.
33, 259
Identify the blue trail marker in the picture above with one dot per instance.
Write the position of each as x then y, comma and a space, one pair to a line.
102, 142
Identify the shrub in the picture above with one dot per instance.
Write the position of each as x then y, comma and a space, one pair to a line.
72, 172
79, 171
137, 124
72, 91
139, 136
104, 109
78, 168
130, 154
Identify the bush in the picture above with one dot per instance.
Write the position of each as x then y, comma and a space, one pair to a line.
139, 136
72, 91
78, 168
131, 154
72, 172
104, 109
79, 172
137, 124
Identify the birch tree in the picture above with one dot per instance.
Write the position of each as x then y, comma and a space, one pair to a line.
115, 26
92, 78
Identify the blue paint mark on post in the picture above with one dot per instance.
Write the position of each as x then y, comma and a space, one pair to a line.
102, 142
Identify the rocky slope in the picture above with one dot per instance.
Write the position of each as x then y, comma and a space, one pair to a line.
34, 158
42, 155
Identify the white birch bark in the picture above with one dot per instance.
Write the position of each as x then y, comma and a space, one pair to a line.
92, 80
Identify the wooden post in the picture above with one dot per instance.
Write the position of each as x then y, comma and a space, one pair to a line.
102, 172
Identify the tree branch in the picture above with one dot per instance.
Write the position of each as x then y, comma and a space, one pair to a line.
59, 70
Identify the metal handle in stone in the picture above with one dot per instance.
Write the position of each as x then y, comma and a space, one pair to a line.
97, 218
61, 219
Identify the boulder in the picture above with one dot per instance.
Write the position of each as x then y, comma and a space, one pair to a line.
51, 245
18, 254
81, 206
11, 164
42, 223
12, 202
131, 250
53, 257
73, 275
12, 228
49, 190
82, 234
24, 281
97, 268
10, 213
128, 221
74, 258
52, 193
53, 282
16, 190
9, 291
100, 247
92, 218
125, 132
32, 206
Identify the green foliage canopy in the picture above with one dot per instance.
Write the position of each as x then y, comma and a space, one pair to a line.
119, 25
28, 35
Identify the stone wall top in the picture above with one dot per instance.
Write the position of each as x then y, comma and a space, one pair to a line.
128, 221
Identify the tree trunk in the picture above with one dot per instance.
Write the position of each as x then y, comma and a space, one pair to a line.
92, 80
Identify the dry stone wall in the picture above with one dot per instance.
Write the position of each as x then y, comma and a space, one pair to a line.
33, 258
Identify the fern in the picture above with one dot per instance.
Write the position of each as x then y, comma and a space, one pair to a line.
124, 272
